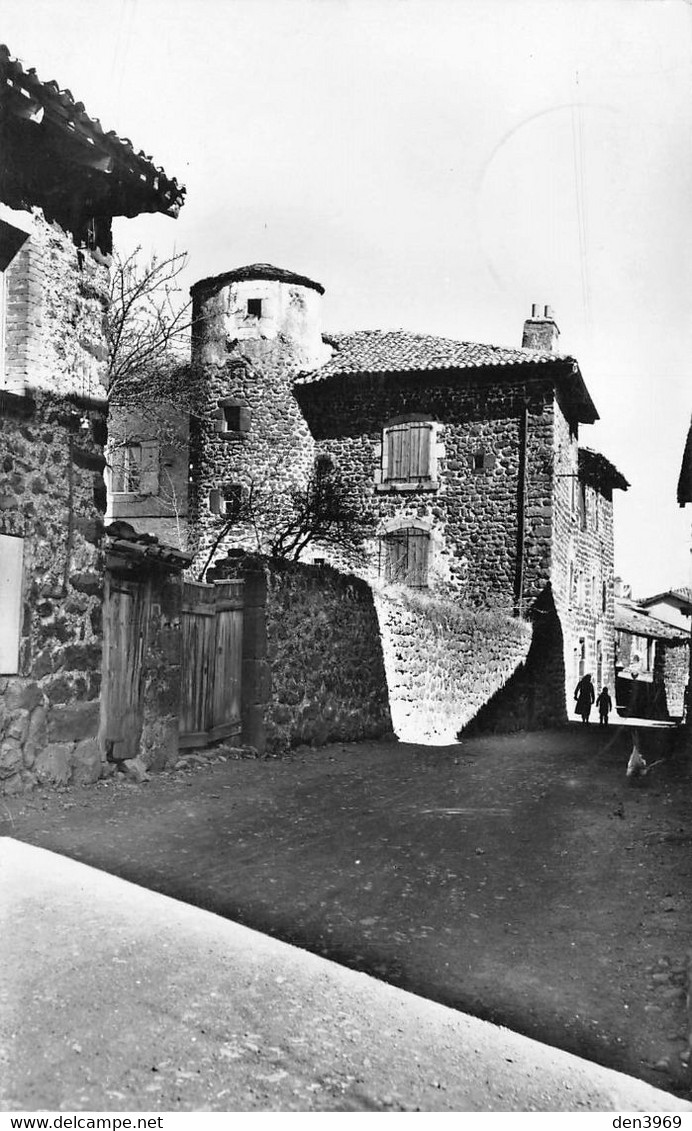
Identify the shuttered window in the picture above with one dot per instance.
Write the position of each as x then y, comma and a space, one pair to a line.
407, 452
136, 469
11, 561
404, 557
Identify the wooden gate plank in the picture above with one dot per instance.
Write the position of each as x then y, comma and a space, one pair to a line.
212, 617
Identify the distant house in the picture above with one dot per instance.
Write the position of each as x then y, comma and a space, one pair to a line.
62, 180
651, 662
466, 456
673, 606
148, 451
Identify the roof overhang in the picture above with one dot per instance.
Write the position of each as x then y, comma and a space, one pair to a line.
56, 157
598, 471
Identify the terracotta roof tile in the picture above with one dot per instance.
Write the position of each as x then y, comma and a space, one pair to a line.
70, 115
255, 271
629, 618
400, 351
594, 466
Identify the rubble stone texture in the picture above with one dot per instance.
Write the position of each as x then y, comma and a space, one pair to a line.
52, 495
313, 670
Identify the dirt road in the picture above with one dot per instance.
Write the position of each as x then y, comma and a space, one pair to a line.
520, 878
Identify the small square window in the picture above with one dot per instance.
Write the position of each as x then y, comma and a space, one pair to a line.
232, 499
482, 461
232, 417
254, 307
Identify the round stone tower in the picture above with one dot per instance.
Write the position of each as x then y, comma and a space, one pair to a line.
254, 329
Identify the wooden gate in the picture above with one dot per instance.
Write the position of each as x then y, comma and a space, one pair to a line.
127, 609
212, 641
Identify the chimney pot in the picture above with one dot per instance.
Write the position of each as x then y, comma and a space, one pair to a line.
540, 330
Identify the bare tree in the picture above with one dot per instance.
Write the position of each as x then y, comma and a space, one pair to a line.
324, 511
148, 322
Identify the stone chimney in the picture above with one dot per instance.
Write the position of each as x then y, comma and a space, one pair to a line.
540, 330
621, 588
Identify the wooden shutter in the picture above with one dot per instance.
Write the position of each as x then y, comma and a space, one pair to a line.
397, 453
418, 545
11, 563
407, 451
406, 556
419, 451
149, 468
118, 471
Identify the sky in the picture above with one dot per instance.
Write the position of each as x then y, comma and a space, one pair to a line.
439, 166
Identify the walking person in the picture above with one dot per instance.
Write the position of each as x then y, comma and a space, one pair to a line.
585, 697
605, 706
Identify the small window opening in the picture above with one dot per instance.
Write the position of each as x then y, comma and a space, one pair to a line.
232, 499
231, 415
482, 460
254, 307
324, 466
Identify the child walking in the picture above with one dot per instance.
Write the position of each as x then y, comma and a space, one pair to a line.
605, 706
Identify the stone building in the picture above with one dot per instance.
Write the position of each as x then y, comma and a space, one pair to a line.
652, 658
62, 180
466, 457
673, 606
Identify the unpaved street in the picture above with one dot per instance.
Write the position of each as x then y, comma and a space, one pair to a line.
520, 878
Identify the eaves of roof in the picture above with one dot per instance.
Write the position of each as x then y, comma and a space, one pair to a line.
125, 546
402, 353
595, 468
214, 283
681, 597
46, 106
626, 618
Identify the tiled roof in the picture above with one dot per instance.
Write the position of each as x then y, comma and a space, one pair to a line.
399, 351
594, 466
680, 596
44, 101
125, 547
629, 618
376, 352
255, 271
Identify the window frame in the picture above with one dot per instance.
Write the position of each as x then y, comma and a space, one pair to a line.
149, 454
222, 424
412, 534
386, 479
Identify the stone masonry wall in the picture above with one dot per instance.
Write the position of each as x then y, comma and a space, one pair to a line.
313, 670
671, 674
56, 304
52, 495
444, 662
274, 456
583, 565
253, 362
473, 515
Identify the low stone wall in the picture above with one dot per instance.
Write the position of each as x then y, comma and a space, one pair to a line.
444, 662
313, 670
